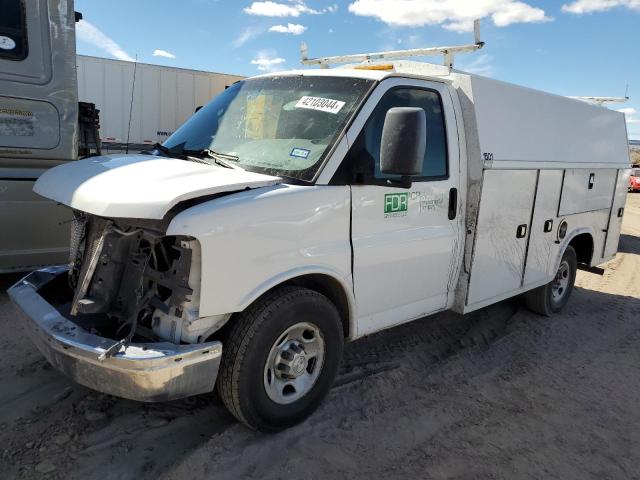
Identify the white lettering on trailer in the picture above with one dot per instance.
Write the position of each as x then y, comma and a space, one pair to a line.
321, 104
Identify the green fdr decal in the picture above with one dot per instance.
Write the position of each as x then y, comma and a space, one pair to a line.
396, 204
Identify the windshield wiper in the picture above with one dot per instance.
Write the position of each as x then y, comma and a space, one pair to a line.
198, 156
173, 151
221, 159
177, 151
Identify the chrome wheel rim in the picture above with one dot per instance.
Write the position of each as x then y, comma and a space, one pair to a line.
560, 284
294, 363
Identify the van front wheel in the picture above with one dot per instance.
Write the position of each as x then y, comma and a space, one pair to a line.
280, 358
553, 296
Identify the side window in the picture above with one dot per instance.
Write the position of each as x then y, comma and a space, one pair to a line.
13, 30
365, 153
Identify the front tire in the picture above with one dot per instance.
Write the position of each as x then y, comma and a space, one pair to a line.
552, 297
280, 358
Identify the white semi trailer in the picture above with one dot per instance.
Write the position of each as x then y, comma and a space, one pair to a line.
143, 104
303, 209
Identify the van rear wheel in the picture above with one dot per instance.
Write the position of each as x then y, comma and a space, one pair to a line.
280, 358
553, 296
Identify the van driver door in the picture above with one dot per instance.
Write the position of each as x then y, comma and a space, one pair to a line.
405, 241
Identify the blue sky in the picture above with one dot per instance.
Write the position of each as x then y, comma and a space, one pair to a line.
568, 47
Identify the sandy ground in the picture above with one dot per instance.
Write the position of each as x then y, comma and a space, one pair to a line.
502, 394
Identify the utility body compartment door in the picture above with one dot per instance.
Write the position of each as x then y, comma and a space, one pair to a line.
502, 234
543, 248
585, 190
617, 211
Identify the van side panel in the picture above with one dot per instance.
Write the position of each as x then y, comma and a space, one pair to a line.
507, 259
280, 232
520, 125
502, 233
543, 249
586, 190
615, 216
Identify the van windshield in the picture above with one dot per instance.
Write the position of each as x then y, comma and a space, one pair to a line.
279, 125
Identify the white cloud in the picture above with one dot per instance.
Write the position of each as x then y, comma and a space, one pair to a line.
267, 61
460, 26
518, 12
89, 33
589, 6
630, 114
292, 28
247, 34
275, 9
163, 53
457, 15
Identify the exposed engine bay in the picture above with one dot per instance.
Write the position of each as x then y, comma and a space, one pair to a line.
128, 279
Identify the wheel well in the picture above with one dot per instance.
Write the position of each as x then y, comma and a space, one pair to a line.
583, 245
330, 288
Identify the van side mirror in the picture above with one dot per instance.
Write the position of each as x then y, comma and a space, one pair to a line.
403, 145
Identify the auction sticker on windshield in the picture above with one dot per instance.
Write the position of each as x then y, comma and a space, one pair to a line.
300, 152
321, 104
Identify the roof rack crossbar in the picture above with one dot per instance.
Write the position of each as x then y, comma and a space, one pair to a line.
447, 52
602, 100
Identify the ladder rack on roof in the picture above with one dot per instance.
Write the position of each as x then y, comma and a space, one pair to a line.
447, 52
602, 100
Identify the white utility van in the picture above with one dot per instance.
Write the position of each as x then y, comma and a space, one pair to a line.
303, 209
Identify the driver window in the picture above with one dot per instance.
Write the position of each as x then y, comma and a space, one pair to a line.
364, 157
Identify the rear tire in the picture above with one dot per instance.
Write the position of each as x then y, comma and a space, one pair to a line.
280, 358
552, 297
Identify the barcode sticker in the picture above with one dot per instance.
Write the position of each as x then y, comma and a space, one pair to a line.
321, 104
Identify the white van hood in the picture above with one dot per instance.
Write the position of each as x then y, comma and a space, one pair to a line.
140, 186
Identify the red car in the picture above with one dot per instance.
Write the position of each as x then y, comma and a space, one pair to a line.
634, 180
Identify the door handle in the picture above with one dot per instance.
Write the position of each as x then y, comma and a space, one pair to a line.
548, 226
453, 203
521, 232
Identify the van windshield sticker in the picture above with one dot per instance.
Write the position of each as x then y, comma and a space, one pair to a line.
300, 152
321, 104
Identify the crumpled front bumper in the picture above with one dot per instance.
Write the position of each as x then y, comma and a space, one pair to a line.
148, 372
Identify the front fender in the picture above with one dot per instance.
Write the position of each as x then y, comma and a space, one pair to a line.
253, 240
346, 283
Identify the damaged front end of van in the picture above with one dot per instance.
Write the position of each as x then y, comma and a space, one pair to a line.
123, 316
